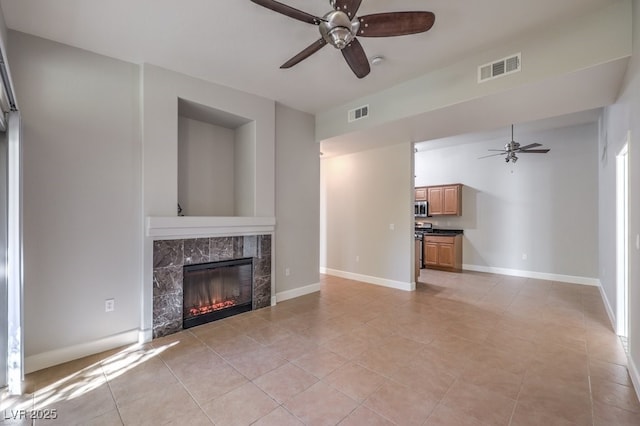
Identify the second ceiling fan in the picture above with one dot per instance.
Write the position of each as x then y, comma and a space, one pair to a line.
341, 26
512, 148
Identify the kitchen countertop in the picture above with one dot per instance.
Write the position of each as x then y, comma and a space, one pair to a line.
436, 231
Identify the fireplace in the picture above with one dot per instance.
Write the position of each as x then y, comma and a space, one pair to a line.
216, 290
172, 260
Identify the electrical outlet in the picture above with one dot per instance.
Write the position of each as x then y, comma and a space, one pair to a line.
524, 256
392, 226
109, 305
287, 272
357, 258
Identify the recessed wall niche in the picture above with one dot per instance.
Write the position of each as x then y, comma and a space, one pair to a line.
216, 162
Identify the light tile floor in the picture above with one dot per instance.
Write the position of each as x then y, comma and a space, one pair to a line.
464, 349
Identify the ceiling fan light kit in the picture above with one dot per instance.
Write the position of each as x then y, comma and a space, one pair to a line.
341, 26
512, 148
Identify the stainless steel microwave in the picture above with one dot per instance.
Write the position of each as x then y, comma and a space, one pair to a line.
421, 209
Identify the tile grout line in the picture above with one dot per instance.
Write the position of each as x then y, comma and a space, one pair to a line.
515, 406
115, 402
210, 349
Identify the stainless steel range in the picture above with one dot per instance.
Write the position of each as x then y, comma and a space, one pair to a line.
420, 229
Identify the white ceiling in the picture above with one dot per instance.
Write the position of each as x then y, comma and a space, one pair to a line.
519, 130
239, 44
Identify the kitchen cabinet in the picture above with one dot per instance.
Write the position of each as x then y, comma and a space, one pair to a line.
445, 200
421, 194
443, 252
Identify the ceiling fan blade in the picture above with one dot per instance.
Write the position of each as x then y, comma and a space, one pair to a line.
289, 11
313, 48
533, 145
535, 151
491, 155
350, 7
395, 24
356, 58
501, 150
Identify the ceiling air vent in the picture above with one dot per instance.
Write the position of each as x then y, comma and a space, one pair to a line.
502, 67
358, 113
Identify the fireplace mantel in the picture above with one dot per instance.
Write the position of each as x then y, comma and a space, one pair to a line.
166, 227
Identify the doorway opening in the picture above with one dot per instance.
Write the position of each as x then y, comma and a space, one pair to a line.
622, 242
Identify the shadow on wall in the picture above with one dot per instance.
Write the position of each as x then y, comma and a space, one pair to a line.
469, 222
469, 218
487, 235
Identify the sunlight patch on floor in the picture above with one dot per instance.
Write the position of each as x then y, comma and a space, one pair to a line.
83, 381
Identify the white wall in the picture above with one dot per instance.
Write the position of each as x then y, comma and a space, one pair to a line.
82, 206
617, 121
205, 168
297, 202
542, 206
362, 195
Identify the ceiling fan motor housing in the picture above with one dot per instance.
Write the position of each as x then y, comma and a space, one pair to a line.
337, 29
512, 146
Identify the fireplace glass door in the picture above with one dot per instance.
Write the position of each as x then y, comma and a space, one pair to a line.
216, 290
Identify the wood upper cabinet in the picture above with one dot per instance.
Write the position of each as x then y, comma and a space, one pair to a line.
421, 194
443, 252
445, 200
435, 199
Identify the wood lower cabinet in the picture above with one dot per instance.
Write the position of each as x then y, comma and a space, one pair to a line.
443, 252
445, 200
430, 253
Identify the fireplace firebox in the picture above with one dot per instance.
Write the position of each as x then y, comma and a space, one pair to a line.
216, 290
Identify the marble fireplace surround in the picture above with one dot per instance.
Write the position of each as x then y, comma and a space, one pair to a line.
169, 257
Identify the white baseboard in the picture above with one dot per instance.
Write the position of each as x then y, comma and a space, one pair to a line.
62, 355
398, 285
608, 308
297, 292
532, 274
631, 365
145, 336
635, 376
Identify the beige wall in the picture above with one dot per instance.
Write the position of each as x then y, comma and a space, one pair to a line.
539, 207
297, 202
205, 168
619, 119
245, 161
363, 196
83, 192
82, 186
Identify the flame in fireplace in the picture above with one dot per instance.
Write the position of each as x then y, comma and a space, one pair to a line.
216, 286
215, 306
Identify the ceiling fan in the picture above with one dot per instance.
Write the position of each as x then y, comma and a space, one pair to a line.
513, 148
341, 26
